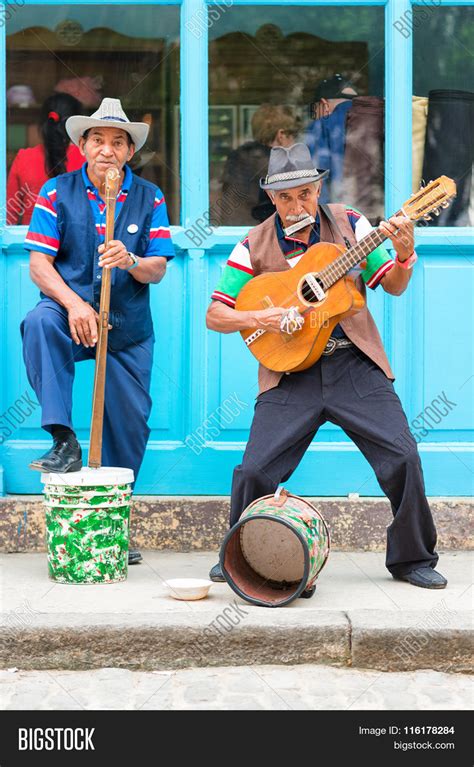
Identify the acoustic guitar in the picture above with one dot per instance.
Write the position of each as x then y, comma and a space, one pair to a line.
320, 290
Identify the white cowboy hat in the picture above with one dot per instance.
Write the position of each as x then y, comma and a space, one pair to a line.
109, 115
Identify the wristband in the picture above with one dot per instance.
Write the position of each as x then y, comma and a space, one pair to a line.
409, 262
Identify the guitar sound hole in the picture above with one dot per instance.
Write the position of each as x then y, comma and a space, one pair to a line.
309, 294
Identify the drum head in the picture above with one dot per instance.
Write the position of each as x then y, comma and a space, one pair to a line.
273, 551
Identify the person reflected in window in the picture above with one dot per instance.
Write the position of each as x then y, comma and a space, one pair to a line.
242, 201
325, 134
33, 166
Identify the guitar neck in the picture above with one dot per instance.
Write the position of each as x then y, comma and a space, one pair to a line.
352, 257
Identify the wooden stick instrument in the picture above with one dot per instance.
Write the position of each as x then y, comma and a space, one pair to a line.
112, 179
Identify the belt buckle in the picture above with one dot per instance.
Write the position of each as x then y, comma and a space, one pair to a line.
330, 347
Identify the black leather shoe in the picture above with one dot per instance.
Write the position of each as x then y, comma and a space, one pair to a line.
308, 593
425, 577
134, 557
63, 457
215, 574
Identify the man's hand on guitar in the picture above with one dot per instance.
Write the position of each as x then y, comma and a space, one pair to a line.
269, 319
401, 232
83, 321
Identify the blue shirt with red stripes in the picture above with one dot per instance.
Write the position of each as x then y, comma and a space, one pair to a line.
43, 233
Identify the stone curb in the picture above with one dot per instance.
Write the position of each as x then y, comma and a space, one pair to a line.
371, 639
388, 640
162, 641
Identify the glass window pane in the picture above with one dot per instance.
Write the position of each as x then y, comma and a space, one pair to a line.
443, 104
266, 71
60, 55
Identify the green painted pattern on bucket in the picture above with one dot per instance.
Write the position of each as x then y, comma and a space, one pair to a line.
87, 532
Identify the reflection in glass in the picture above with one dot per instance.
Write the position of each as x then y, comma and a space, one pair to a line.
242, 200
443, 107
53, 155
322, 76
87, 52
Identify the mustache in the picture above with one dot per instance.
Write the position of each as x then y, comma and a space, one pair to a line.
299, 217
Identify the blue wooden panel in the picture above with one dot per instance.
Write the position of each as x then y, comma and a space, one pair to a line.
166, 419
186, 455
20, 296
427, 332
232, 369
448, 320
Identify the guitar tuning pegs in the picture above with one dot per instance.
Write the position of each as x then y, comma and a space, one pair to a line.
427, 218
445, 204
436, 211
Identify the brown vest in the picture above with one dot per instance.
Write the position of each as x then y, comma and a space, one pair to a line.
266, 256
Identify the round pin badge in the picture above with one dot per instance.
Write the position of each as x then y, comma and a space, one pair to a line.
132, 228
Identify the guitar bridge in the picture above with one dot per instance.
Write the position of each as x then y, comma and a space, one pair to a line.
253, 336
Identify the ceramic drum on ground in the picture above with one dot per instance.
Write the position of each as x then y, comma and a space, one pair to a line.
276, 550
87, 524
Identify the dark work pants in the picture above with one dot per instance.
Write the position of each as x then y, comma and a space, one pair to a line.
349, 390
50, 356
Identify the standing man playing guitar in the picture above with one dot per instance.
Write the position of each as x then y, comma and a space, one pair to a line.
350, 385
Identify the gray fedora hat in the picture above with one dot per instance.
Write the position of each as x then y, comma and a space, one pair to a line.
289, 167
109, 115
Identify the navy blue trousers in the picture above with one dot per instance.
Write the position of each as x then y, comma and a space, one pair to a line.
50, 356
349, 390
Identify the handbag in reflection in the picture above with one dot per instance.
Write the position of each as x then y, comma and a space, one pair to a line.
363, 184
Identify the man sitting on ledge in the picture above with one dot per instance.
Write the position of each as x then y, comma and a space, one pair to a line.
67, 256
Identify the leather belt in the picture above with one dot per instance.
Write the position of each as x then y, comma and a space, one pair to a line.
336, 343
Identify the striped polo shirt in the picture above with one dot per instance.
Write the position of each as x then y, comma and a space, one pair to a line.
43, 233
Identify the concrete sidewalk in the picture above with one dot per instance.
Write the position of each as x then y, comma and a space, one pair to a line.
358, 617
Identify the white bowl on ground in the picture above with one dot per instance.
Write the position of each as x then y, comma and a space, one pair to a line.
188, 588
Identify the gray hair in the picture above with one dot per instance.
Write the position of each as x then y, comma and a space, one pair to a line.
317, 184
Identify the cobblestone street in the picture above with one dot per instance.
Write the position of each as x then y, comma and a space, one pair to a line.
251, 687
